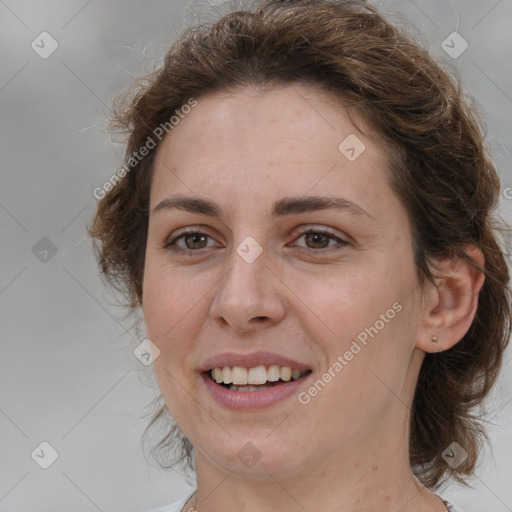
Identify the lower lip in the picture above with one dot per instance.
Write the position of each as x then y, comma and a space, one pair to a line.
252, 399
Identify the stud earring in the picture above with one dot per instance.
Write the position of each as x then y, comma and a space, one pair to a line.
435, 339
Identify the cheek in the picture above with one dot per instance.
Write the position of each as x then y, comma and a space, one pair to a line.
344, 300
367, 318
171, 305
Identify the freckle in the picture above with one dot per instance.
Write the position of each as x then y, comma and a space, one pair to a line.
375, 468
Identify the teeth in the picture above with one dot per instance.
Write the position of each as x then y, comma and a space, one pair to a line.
273, 374
239, 375
217, 375
257, 376
226, 375
286, 373
295, 374
247, 388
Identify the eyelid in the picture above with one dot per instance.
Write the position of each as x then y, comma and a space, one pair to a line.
198, 228
303, 230
319, 229
170, 243
183, 232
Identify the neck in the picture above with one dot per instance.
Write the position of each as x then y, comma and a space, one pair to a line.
366, 474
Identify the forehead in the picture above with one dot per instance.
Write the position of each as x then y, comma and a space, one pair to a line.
293, 138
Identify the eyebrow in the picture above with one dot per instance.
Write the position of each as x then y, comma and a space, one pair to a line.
281, 208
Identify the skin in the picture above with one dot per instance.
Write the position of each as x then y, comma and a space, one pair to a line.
348, 445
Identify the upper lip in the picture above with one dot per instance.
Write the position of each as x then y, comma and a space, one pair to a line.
251, 360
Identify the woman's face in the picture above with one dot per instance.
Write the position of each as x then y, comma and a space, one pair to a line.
249, 289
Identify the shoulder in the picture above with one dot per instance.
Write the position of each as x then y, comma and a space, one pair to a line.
175, 506
452, 508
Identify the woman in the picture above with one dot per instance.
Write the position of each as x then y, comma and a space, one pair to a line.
305, 219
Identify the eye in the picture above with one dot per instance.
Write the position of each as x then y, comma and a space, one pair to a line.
318, 240
193, 241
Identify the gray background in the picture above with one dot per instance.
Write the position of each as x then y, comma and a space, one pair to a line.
68, 374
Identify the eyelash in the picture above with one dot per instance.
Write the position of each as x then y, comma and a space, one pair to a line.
171, 244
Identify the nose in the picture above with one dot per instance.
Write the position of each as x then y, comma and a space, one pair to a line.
249, 296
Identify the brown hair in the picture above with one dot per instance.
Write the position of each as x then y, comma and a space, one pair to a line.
440, 170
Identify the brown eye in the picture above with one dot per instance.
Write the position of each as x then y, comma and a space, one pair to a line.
317, 240
194, 241
190, 241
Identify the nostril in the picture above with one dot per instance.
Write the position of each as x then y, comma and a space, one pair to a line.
260, 319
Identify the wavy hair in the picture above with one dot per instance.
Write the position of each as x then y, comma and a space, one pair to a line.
440, 170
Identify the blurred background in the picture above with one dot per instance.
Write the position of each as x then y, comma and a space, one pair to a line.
72, 393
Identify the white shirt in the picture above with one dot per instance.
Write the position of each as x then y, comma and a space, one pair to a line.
452, 508
178, 505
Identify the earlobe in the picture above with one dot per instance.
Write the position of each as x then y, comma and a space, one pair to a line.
452, 302
436, 347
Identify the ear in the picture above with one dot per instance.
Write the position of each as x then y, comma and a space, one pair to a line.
449, 306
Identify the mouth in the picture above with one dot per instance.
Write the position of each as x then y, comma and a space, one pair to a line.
252, 381
258, 378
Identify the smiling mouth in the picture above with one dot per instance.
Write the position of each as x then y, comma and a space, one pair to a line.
239, 378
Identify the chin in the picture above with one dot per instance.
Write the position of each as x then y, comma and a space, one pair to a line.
257, 457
